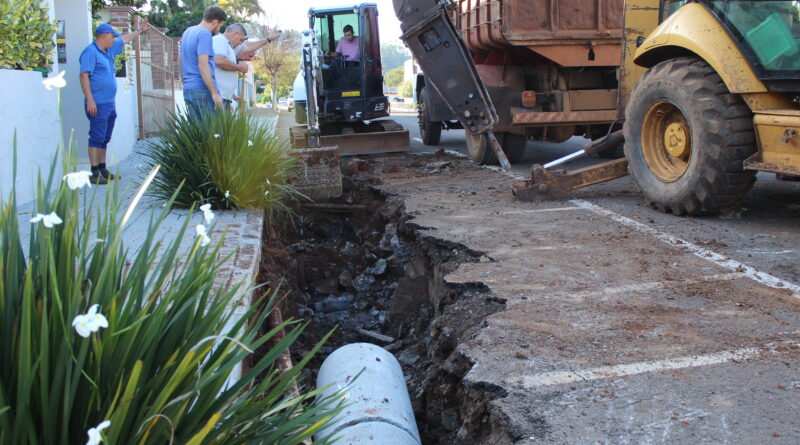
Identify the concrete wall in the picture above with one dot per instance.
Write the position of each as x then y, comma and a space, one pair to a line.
33, 111
126, 129
410, 70
78, 28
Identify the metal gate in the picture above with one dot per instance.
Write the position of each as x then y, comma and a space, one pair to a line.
155, 80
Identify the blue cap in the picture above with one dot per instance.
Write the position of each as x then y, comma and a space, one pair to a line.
105, 28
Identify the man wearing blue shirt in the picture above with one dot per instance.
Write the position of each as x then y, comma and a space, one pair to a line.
197, 63
99, 85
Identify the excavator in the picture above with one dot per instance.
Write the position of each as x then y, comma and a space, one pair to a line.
708, 92
345, 102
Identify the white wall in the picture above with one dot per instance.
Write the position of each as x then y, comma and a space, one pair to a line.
78, 26
410, 70
180, 105
126, 128
33, 111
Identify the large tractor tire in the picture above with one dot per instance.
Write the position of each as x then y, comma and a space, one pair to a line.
481, 153
686, 139
430, 131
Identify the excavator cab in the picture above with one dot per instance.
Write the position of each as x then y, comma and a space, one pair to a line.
343, 81
352, 78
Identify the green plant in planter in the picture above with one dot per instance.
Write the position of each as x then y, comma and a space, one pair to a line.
27, 36
98, 341
229, 160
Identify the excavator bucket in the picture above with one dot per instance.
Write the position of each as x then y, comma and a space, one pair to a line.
383, 136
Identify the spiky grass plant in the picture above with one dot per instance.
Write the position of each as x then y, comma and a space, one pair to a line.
91, 333
230, 160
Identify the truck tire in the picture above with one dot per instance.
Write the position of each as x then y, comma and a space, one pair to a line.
513, 146
478, 149
481, 153
430, 131
686, 139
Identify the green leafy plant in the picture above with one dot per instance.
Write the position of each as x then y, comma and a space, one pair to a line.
229, 160
394, 77
27, 36
97, 338
406, 89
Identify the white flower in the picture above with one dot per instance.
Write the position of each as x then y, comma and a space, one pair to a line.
81, 325
56, 81
216, 136
96, 320
249, 143
268, 181
90, 322
76, 180
207, 213
48, 220
201, 232
266, 192
227, 193
94, 433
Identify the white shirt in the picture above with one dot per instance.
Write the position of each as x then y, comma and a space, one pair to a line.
227, 81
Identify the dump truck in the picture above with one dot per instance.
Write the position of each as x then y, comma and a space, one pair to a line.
550, 67
708, 92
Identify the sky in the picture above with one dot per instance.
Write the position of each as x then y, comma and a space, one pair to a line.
293, 14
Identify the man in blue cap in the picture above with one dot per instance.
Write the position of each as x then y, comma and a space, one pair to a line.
99, 85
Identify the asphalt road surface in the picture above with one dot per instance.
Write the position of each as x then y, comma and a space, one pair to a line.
763, 231
624, 324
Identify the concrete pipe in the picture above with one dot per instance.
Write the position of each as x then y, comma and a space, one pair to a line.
378, 407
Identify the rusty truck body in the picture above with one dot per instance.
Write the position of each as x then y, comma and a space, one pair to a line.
550, 67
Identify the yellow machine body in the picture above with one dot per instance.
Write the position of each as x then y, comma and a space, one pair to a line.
693, 30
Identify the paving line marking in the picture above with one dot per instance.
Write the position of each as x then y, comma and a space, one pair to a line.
691, 361
714, 257
457, 154
554, 209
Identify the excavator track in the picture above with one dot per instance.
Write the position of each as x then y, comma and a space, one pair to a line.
359, 138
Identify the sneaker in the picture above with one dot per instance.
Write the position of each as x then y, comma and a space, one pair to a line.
108, 175
98, 179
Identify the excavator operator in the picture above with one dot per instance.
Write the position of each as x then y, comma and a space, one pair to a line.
348, 47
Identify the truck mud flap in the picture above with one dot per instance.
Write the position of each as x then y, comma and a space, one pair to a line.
448, 66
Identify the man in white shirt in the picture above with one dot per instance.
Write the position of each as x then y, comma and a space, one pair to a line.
230, 57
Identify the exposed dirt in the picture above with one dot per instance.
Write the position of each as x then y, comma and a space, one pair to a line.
360, 265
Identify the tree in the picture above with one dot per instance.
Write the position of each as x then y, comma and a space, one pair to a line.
279, 62
394, 77
406, 89
243, 8
176, 15
392, 56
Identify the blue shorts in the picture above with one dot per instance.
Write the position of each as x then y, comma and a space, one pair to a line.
101, 125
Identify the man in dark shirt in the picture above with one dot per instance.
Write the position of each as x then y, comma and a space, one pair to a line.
99, 85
